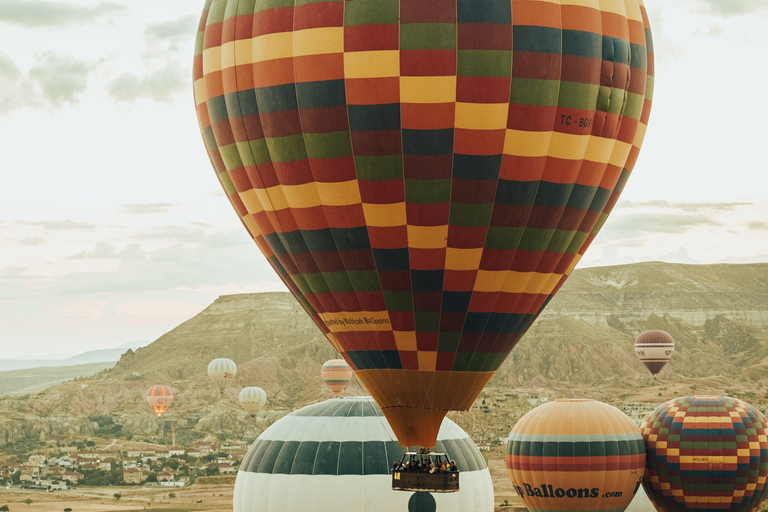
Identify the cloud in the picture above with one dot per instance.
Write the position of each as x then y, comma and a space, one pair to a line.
62, 225
38, 14
658, 203
758, 226
61, 78
106, 251
34, 240
184, 235
160, 85
146, 207
734, 7
178, 28
630, 226
16, 90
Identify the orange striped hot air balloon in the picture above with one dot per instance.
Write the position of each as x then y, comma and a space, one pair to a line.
336, 374
159, 397
423, 175
654, 349
576, 455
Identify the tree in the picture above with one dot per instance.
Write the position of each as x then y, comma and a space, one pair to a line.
4, 508
117, 496
28, 501
67, 509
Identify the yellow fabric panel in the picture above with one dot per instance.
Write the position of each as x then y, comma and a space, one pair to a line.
427, 237
251, 201
672, 451
573, 264
599, 149
272, 46
272, 199
199, 87
253, 228
614, 6
463, 259
302, 196
482, 116
515, 282
374, 64
384, 215
427, 89
523, 143
211, 60
335, 343
338, 193
640, 134
236, 53
317, 41
632, 10
427, 361
405, 340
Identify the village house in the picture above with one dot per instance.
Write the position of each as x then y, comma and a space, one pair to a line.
483, 445
36, 460
132, 476
165, 476
73, 477
225, 468
105, 465
176, 451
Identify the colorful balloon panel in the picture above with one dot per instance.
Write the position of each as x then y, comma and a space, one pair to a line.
336, 374
654, 348
159, 398
423, 175
221, 371
575, 455
706, 453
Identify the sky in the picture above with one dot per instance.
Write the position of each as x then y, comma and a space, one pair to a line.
113, 227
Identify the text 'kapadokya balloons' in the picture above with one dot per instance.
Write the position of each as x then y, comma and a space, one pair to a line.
222, 371
159, 397
654, 348
706, 453
336, 374
423, 175
252, 399
575, 455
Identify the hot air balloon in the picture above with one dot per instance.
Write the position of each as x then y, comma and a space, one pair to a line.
159, 397
252, 399
654, 348
706, 453
423, 175
337, 455
222, 371
575, 455
336, 374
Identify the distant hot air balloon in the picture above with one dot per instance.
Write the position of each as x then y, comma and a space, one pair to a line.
575, 455
159, 397
423, 176
336, 374
706, 453
252, 399
654, 348
222, 371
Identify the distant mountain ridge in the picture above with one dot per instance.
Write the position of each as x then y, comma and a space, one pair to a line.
92, 356
581, 345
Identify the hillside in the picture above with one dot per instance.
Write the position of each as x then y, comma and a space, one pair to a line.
581, 345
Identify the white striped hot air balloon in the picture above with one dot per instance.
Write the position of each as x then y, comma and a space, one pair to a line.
222, 371
654, 348
336, 374
252, 399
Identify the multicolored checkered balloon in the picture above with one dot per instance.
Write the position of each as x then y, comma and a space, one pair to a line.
423, 175
706, 453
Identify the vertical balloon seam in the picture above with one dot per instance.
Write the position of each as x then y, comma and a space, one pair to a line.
533, 203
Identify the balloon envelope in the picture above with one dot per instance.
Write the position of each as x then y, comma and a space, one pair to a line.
706, 453
222, 371
336, 374
159, 397
252, 399
654, 348
575, 455
423, 175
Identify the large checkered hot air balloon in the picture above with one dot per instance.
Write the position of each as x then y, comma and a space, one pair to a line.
423, 175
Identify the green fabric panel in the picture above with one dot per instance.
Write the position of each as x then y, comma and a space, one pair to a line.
427, 36
364, 280
260, 151
530, 239
231, 9
428, 191
577, 242
304, 2
379, 168
578, 96
216, 13
398, 300
231, 156
328, 145
427, 321
317, 283
649, 83
448, 341
371, 12
301, 283
338, 282
262, 5
244, 150
470, 214
634, 107
199, 41
538, 93
599, 224
227, 184
287, 149
484, 63
246, 7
